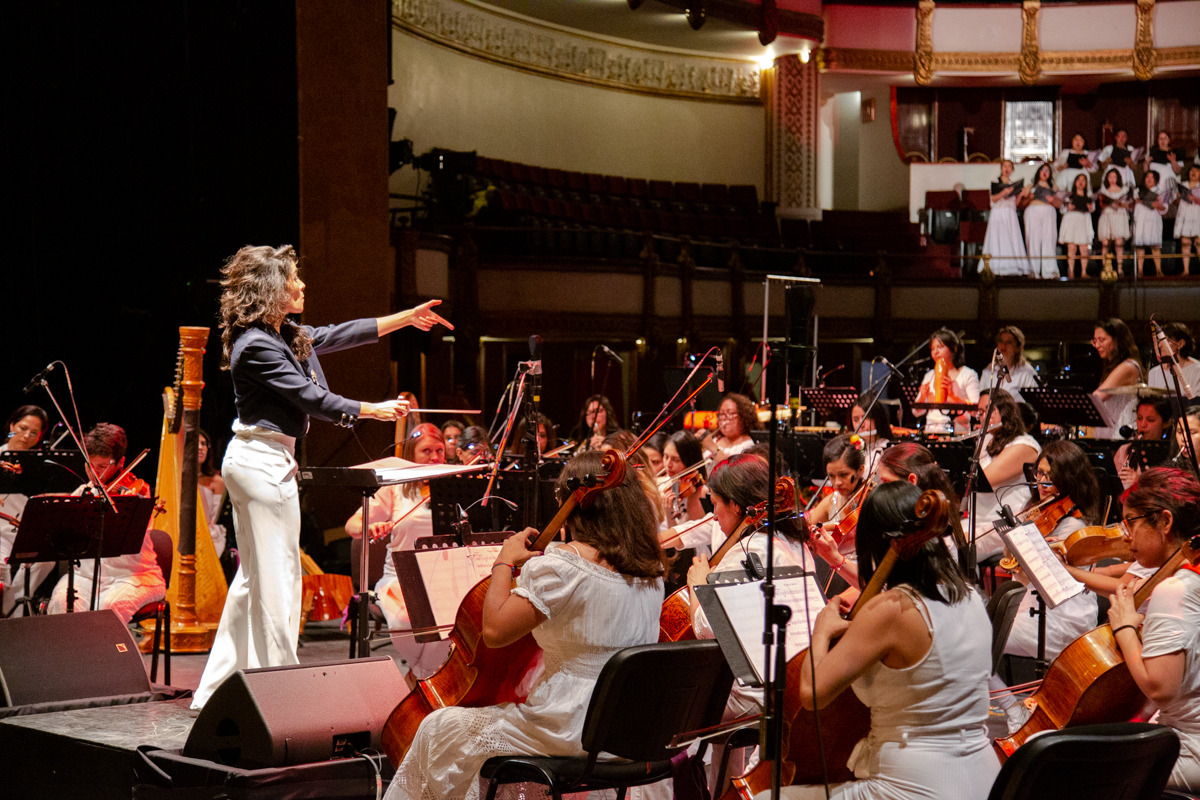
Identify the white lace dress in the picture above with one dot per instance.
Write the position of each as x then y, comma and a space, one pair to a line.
591, 613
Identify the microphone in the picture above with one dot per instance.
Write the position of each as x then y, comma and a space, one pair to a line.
883, 360
535, 368
916, 362
1009, 518
1126, 432
40, 378
608, 352
720, 372
829, 372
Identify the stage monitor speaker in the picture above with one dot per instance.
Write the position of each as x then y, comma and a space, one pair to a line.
281, 716
64, 657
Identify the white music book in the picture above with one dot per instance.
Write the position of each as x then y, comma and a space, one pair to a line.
441, 579
397, 470
1045, 572
738, 610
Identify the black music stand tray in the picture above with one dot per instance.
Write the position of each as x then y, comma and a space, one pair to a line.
908, 401
66, 528
42, 471
1066, 406
955, 459
448, 495
412, 579
828, 401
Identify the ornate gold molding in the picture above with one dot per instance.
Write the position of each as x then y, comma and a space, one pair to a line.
853, 59
522, 43
1144, 57
845, 59
1030, 66
923, 53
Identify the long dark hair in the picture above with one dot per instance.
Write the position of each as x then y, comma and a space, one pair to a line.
932, 571
1011, 424
878, 415
611, 423
1072, 474
842, 447
909, 458
1126, 347
208, 467
688, 447
254, 292
950, 339
742, 480
619, 522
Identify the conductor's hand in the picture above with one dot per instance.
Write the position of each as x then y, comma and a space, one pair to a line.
388, 410
424, 317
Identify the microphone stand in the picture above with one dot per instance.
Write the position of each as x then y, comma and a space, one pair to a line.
774, 633
967, 559
1178, 401
533, 450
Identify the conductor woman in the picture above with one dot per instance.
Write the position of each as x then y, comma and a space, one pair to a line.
278, 384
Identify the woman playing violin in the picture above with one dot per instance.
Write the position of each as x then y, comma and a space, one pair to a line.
1007, 448
844, 467
582, 601
1161, 512
918, 655
401, 513
681, 497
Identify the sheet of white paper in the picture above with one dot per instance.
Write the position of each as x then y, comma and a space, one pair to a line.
743, 604
450, 573
1045, 571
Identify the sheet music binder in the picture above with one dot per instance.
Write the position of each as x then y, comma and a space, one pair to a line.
1045, 572
1068, 406
789, 582
416, 570
42, 471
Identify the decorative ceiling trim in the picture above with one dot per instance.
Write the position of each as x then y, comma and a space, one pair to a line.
848, 59
1031, 62
923, 50
556, 53
1144, 59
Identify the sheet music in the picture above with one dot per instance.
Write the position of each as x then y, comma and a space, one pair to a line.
1047, 574
743, 604
397, 470
450, 573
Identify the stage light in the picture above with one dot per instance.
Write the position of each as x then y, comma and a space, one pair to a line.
696, 14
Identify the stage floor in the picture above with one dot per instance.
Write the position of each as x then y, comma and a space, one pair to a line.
91, 753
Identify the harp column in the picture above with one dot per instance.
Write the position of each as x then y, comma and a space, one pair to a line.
791, 92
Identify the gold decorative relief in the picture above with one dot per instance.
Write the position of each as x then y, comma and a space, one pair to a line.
1144, 57
844, 59
852, 59
1030, 65
923, 54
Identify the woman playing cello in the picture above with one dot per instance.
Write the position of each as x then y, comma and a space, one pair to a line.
918, 655
1162, 511
582, 601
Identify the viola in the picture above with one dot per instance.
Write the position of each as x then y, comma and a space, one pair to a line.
675, 621
1089, 683
476, 675
1096, 542
845, 720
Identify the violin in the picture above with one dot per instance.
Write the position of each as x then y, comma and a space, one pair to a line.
476, 675
675, 621
1094, 543
1089, 683
845, 720
848, 522
1045, 516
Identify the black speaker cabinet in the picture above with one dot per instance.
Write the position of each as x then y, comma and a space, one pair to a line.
66, 657
280, 716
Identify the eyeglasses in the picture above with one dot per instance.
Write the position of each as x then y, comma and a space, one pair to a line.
727, 415
1130, 520
1041, 476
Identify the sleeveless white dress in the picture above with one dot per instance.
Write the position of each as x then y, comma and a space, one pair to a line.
591, 613
1002, 239
928, 737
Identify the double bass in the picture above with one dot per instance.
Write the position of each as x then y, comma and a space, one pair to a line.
675, 621
476, 675
845, 720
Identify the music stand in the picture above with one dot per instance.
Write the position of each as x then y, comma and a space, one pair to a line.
1066, 406
42, 471
65, 528
456, 574
448, 495
828, 400
955, 459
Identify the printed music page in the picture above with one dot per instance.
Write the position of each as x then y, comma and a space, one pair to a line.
743, 605
397, 470
450, 573
1046, 573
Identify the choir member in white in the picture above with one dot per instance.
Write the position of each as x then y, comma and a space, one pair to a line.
1002, 242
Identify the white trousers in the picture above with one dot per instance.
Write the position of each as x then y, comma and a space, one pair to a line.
260, 624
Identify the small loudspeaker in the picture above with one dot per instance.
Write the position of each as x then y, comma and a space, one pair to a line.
66, 657
281, 716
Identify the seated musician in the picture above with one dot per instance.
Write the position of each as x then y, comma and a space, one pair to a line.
1162, 511
682, 452
547, 439
737, 484
653, 448
736, 417
401, 513
874, 428
1153, 421
1122, 364
919, 656
1180, 341
636, 461
597, 419
950, 380
1007, 448
26, 427
844, 467
1010, 342
473, 446
126, 582
582, 602
1187, 428
451, 430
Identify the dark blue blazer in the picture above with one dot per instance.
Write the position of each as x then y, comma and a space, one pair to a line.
276, 391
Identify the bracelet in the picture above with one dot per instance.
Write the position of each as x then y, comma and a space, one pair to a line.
841, 564
1123, 627
502, 564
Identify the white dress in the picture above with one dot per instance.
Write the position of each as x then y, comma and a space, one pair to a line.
1020, 377
1066, 178
1165, 172
1114, 220
1041, 240
1002, 241
1064, 623
1187, 215
1076, 227
987, 506
1147, 222
1173, 625
928, 737
967, 381
591, 613
1127, 177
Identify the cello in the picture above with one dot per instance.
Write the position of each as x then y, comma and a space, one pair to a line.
675, 621
476, 675
1089, 683
845, 720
